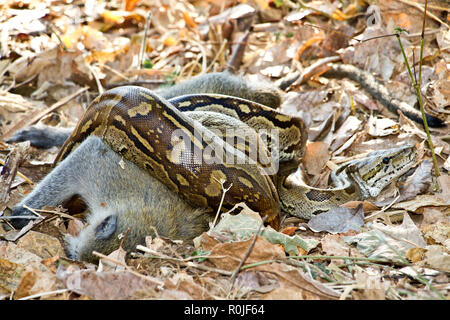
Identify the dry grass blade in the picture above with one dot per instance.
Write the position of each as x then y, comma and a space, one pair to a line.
183, 262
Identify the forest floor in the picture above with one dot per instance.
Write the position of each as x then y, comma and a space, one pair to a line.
56, 56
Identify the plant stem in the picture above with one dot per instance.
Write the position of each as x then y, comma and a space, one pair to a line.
350, 258
144, 40
417, 86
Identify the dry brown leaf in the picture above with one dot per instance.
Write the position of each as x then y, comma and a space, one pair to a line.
404, 14
15, 103
406, 231
15, 254
233, 252
41, 244
431, 216
289, 230
130, 4
257, 281
119, 17
380, 127
206, 241
446, 164
182, 282
57, 69
10, 275
30, 66
316, 156
370, 286
418, 182
422, 201
411, 128
379, 56
295, 285
107, 285
437, 258
24, 272
155, 244
438, 233
117, 255
366, 205
444, 184
345, 133
74, 227
388, 242
415, 254
334, 245
35, 281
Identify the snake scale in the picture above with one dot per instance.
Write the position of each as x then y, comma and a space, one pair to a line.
177, 142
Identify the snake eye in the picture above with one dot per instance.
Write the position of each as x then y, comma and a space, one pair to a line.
386, 160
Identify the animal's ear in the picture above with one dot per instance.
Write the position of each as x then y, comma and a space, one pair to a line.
106, 228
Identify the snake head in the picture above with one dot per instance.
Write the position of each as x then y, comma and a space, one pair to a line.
373, 173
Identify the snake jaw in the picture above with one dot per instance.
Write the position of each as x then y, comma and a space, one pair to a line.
373, 173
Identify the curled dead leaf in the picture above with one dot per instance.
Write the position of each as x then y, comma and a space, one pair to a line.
41, 244
232, 253
107, 285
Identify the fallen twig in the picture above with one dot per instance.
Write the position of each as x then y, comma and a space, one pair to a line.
224, 191
182, 261
144, 40
27, 121
297, 78
19, 174
43, 294
127, 268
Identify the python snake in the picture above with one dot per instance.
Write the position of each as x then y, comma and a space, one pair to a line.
175, 141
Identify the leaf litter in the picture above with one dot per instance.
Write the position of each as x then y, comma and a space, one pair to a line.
398, 248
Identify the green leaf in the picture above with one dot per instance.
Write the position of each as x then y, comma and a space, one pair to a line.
147, 64
245, 224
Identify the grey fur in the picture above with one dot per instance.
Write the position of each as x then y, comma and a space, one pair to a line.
41, 136
227, 84
119, 195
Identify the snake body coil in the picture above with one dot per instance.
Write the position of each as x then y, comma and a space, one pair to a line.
175, 141
151, 132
